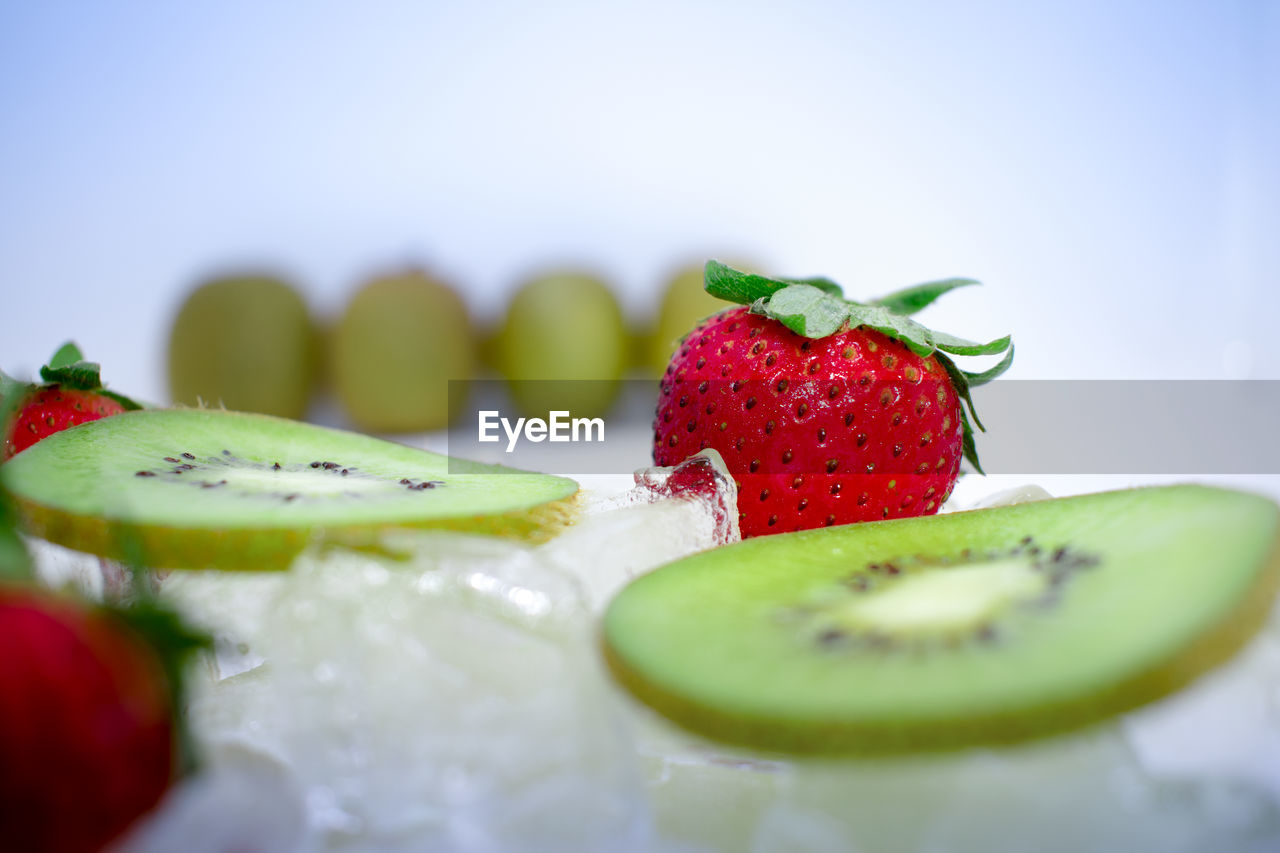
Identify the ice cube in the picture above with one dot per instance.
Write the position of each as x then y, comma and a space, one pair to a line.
669, 514
60, 567
453, 701
1026, 493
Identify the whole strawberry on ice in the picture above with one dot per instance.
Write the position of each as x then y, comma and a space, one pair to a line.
826, 411
72, 393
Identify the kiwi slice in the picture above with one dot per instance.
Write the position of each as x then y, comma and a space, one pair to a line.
982, 627
194, 488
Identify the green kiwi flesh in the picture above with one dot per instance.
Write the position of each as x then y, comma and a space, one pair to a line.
195, 488
974, 628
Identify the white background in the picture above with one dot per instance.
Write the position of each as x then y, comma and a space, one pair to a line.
1109, 170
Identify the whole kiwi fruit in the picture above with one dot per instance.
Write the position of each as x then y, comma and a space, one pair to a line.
401, 340
563, 345
244, 342
684, 303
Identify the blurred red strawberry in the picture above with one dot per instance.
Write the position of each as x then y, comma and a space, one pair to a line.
88, 740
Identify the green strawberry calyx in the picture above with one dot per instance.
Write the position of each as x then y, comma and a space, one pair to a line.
174, 642
817, 308
67, 369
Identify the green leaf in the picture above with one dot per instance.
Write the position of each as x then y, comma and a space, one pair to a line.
960, 380
917, 337
174, 642
806, 310
959, 346
15, 562
11, 390
80, 375
976, 379
67, 354
816, 308
824, 284
725, 282
909, 300
970, 449
129, 405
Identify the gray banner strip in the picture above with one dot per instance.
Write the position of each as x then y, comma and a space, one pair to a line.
1130, 427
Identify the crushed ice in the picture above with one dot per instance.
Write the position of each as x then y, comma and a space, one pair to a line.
455, 702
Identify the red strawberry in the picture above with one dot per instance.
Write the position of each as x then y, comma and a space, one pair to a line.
825, 410
88, 736
72, 394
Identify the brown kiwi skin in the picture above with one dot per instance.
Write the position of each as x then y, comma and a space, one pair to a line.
404, 337
890, 737
262, 549
246, 341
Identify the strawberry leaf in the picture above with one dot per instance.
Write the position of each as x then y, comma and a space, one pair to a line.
66, 355
128, 404
69, 369
805, 310
174, 642
909, 300
917, 337
960, 380
976, 379
816, 308
724, 282
11, 390
959, 346
15, 562
79, 375
824, 284
970, 449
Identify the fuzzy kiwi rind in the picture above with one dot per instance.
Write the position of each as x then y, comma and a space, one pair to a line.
667, 640
85, 488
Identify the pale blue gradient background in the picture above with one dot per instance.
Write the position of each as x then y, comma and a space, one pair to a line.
1111, 171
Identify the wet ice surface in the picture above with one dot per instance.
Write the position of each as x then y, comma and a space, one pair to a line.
455, 701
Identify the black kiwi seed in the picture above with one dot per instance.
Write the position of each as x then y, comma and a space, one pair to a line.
171, 459
831, 635
315, 464
188, 455
275, 467
145, 474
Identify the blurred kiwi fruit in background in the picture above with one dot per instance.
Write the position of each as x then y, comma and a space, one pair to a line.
245, 342
402, 338
684, 303
560, 329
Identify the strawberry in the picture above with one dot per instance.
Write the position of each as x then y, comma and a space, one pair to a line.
826, 411
89, 739
72, 394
